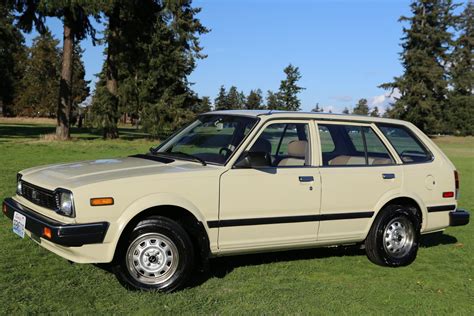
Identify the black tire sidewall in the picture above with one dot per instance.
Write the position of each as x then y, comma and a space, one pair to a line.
178, 236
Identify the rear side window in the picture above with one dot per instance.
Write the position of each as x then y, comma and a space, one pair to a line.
350, 145
408, 147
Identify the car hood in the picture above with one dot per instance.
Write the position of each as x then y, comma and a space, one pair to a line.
76, 174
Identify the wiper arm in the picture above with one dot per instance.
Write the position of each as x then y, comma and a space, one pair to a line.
196, 158
152, 150
180, 153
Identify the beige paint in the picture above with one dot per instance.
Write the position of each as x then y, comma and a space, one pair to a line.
212, 192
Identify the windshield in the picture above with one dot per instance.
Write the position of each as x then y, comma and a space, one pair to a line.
211, 138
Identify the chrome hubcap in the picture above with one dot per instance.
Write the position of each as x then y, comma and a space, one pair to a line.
398, 237
152, 258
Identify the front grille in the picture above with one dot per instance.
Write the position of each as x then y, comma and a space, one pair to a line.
38, 196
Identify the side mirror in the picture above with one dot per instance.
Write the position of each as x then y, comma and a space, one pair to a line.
254, 159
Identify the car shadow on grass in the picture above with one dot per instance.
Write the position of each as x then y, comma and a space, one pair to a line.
437, 239
222, 266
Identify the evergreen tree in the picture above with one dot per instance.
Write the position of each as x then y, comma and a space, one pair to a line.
124, 84
317, 109
153, 87
40, 83
203, 105
220, 102
375, 112
173, 52
461, 97
234, 99
254, 100
345, 111
289, 89
423, 86
273, 102
12, 60
361, 108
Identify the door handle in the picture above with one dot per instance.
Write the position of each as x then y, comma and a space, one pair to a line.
306, 178
387, 176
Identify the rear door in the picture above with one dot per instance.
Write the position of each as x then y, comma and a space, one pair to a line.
357, 170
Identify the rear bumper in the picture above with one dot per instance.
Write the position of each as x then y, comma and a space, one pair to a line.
459, 217
69, 235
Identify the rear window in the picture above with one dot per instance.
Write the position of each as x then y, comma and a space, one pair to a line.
408, 146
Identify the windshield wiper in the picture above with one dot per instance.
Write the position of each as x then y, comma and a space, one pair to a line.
153, 150
180, 153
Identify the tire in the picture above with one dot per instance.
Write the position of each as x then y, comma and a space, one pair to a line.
393, 239
157, 255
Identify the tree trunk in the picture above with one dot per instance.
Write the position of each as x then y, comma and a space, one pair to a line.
65, 93
111, 131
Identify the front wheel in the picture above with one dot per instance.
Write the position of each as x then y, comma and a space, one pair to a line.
393, 239
158, 255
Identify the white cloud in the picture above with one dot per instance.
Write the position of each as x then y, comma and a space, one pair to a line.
382, 101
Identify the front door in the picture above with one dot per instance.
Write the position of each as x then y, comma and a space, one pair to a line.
276, 205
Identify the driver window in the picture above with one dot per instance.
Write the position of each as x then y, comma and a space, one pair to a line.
286, 143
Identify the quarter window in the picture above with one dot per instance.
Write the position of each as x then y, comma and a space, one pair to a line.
352, 146
410, 149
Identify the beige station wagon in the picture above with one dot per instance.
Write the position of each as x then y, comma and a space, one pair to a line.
236, 182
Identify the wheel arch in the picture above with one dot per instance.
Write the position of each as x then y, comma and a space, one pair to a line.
175, 208
403, 199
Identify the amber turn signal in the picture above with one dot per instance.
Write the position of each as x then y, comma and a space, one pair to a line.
47, 232
4, 209
102, 201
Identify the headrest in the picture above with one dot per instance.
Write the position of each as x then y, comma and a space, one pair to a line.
261, 145
297, 148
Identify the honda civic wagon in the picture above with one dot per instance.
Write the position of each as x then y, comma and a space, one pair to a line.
238, 182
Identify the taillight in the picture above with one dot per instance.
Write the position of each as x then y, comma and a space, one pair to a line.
456, 183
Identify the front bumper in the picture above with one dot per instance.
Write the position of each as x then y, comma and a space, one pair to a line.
458, 217
69, 235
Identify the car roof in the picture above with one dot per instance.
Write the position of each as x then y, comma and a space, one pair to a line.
309, 115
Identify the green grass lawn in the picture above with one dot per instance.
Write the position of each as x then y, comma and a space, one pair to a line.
322, 281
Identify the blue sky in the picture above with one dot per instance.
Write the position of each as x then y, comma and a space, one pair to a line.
344, 49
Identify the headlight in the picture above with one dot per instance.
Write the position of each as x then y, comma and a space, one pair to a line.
65, 202
19, 190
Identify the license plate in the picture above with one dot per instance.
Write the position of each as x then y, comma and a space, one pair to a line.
19, 223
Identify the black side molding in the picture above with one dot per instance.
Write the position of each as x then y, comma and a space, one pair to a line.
441, 208
287, 219
70, 235
459, 218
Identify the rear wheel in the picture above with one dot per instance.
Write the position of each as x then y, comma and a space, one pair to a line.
157, 255
394, 236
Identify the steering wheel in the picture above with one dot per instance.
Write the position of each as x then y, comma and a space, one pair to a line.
225, 151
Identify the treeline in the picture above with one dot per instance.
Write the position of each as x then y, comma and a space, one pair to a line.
152, 47
285, 99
